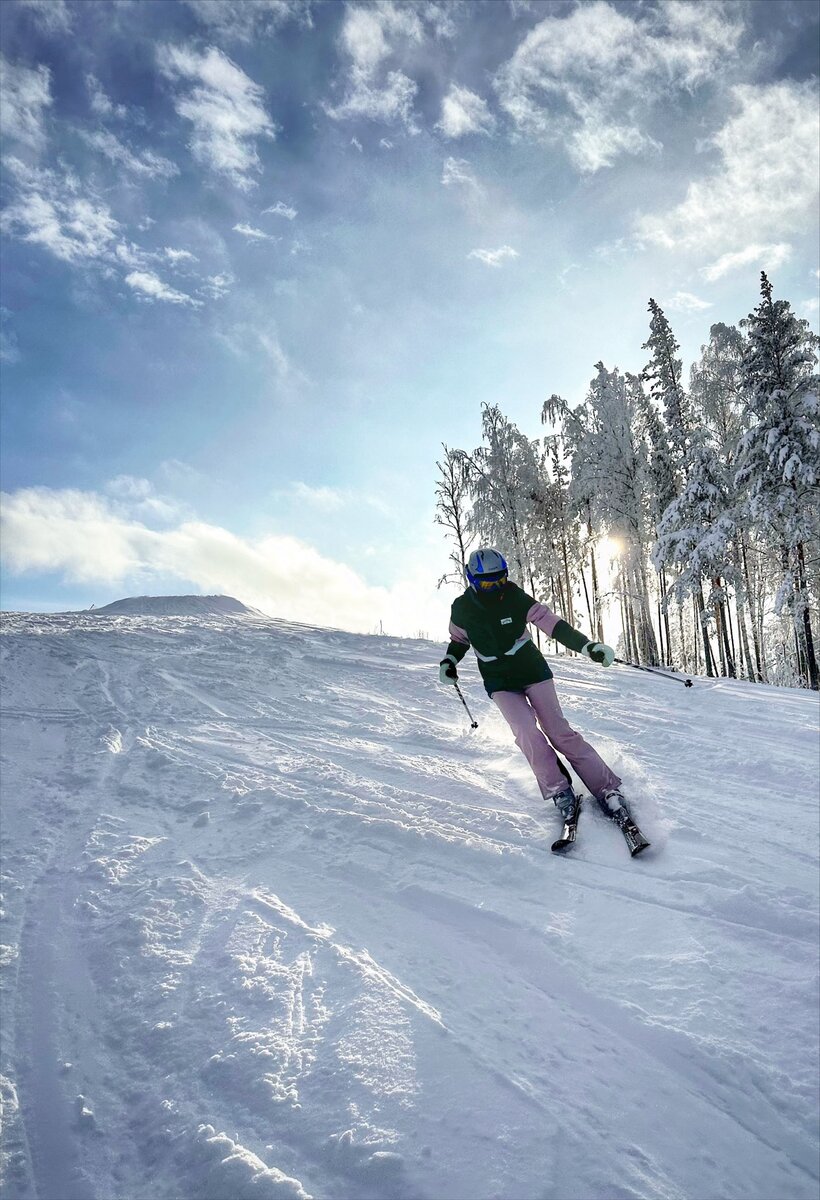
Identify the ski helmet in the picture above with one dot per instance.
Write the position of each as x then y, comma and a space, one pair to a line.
487, 570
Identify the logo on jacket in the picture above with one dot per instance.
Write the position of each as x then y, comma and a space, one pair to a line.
506, 620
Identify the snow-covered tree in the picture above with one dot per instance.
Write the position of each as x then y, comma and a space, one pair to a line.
695, 534
663, 375
452, 511
716, 391
609, 470
779, 454
503, 472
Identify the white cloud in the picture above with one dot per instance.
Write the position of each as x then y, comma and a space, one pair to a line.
175, 257
811, 307
463, 112
72, 228
457, 172
9, 352
246, 20
217, 286
256, 235
385, 144
327, 498
370, 35
686, 302
357, 145
767, 183
250, 338
588, 79
764, 257
280, 209
25, 95
135, 497
494, 258
100, 103
225, 108
51, 16
150, 285
89, 538
144, 163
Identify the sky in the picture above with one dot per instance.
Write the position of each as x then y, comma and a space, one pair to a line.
261, 259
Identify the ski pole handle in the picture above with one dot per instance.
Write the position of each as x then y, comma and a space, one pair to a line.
473, 724
652, 671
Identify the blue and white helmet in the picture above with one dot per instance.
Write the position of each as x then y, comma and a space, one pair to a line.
487, 570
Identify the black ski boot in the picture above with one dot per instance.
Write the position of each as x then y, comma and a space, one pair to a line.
569, 806
613, 806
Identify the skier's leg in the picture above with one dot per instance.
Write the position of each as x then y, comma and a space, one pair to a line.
587, 763
531, 742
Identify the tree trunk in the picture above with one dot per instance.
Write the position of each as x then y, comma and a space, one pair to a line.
665, 611
707, 649
589, 606
569, 614
649, 639
811, 660
756, 640
695, 640
731, 629
726, 658
630, 616
596, 597
740, 601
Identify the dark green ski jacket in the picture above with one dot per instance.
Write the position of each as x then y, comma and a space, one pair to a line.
496, 628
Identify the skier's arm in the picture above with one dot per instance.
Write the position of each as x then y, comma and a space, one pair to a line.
544, 618
458, 647
555, 627
459, 644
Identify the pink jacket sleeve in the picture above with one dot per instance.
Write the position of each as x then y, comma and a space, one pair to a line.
459, 635
542, 617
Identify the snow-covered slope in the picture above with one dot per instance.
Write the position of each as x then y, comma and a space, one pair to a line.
278, 924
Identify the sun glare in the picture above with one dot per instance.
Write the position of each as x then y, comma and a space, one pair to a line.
609, 548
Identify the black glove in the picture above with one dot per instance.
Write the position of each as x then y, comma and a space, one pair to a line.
447, 672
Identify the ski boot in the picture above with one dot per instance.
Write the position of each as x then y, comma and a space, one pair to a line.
569, 805
613, 806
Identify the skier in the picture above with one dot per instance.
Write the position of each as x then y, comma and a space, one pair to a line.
492, 616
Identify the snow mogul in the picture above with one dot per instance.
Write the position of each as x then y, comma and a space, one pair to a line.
492, 616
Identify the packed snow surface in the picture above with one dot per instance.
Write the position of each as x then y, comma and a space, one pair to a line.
278, 924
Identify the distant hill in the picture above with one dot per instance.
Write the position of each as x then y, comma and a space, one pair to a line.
176, 606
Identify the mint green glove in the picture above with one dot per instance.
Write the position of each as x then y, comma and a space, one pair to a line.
447, 672
599, 653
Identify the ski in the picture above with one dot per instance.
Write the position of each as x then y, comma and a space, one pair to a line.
568, 832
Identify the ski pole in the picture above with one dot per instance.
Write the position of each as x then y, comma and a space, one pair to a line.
473, 724
635, 666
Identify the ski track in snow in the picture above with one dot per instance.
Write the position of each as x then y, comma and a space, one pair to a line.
277, 924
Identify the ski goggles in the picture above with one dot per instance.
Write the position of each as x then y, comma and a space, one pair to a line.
491, 583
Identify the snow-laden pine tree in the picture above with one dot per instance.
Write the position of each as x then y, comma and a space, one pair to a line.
663, 374
779, 455
609, 468
573, 429
661, 491
716, 392
502, 474
696, 531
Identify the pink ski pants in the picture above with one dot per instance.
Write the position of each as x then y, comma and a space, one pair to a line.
540, 701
